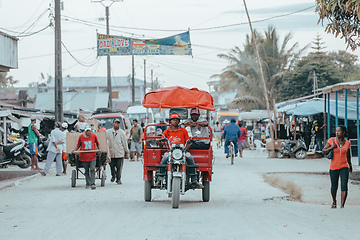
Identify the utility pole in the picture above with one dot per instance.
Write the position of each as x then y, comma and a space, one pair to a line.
109, 88
58, 66
263, 81
144, 77
133, 82
152, 79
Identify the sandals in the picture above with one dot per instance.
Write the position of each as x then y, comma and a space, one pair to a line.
197, 185
333, 205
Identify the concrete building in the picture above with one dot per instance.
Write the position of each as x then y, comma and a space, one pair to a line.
8, 52
221, 99
121, 88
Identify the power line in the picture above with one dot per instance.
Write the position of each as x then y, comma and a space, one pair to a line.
83, 64
180, 30
52, 54
256, 21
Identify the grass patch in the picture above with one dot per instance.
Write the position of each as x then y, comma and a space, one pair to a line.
295, 192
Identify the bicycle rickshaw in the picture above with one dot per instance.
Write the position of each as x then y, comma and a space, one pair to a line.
176, 179
101, 157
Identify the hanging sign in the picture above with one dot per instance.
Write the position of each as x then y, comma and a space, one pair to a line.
109, 45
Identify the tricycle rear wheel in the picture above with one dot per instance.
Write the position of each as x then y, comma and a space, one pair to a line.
147, 191
206, 191
73, 178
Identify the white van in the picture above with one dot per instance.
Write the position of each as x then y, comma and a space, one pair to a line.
140, 113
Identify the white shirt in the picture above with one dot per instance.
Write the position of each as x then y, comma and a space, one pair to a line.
56, 136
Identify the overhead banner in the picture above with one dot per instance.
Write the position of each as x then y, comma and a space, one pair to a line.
109, 45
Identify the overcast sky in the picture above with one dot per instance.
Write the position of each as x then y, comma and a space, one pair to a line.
151, 19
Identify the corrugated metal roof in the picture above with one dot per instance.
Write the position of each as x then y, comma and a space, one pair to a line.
86, 82
73, 101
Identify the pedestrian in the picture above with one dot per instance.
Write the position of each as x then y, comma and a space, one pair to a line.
136, 140
80, 124
33, 136
101, 128
88, 142
54, 149
340, 165
118, 149
217, 134
242, 139
64, 127
319, 135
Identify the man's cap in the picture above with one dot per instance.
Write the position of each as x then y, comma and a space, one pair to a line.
161, 119
87, 127
226, 121
315, 121
194, 111
117, 120
174, 115
64, 125
233, 120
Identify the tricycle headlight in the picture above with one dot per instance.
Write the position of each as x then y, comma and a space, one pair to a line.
177, 154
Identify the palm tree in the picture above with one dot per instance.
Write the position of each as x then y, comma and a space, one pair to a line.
243, 74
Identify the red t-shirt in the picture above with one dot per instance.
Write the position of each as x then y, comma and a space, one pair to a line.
339, 160
180, 136
243, 133
87, 143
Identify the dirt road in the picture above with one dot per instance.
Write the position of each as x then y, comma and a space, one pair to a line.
242, 206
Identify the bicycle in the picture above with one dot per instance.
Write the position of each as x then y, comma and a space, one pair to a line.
231, 153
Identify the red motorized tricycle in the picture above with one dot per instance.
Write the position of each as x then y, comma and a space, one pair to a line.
175, 178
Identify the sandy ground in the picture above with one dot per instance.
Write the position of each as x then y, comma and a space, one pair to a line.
242, 205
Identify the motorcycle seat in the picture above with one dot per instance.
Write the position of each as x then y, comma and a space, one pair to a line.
8, 148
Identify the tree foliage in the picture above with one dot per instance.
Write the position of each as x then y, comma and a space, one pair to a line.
7, 81
329, 67
343, 17
243, 74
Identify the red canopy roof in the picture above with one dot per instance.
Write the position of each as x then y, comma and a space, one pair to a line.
178, 97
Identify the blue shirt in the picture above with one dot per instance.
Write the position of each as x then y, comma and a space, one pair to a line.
232, 132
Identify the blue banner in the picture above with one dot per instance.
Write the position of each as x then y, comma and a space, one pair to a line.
109, 45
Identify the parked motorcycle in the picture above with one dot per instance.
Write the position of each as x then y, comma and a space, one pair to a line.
42, 146
14, 154
289, 148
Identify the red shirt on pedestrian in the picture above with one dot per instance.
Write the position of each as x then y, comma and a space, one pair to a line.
87, 143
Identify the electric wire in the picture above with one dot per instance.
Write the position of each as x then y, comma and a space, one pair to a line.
81, 63
67, 18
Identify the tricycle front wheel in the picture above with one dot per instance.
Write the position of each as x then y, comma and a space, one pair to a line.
175, 192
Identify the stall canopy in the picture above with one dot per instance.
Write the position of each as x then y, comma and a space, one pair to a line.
317, 106
178, 97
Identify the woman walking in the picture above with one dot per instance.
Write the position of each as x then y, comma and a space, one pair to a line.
340, 163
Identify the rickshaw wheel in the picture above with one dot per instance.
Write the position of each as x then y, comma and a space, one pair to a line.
147, 191
73, 178
103, 178
206, 191
175, 192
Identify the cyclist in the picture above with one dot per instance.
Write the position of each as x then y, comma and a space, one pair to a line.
231, 132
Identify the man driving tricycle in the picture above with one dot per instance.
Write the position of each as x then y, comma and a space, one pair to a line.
171, 164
